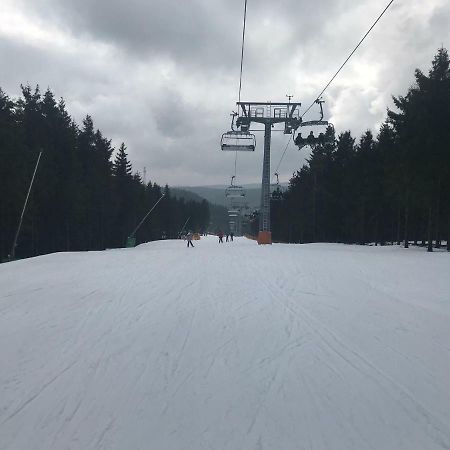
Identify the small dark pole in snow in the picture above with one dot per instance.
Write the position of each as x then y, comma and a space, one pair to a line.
448, 235
406, 222
430, 228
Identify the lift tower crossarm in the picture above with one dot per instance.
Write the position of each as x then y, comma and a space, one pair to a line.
268, 103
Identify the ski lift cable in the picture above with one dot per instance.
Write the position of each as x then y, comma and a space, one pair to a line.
337, 73
242, 49
349, 56
240, 71
282, 156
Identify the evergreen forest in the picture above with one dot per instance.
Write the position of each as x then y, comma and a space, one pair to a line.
392, 188
85, 195
389, 188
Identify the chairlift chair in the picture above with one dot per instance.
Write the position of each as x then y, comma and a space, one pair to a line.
277, 193
237, 202
326, 136
234, 191
238, 141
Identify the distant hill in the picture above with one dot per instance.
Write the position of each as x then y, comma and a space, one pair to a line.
187, 195
216, 194
219, 204
218, 211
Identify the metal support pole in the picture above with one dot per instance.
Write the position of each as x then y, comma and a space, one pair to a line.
264, 235
16, 237
142, 221
184, 226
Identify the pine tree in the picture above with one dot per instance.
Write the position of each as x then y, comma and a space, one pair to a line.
422, 127
121, 166
80, 199
13, 172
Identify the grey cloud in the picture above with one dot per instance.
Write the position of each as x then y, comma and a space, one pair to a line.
201, 33
168, 80
180, 30
172, 116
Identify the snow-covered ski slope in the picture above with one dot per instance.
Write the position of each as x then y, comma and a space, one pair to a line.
231, 347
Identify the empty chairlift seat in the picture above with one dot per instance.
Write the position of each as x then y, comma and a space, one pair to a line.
238, 141
234, 191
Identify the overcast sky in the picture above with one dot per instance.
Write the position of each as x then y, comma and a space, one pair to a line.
162, 76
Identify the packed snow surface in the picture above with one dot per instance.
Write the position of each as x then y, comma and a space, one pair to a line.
231, 346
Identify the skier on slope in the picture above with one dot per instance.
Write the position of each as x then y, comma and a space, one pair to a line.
220, 234
189, 237
231, 236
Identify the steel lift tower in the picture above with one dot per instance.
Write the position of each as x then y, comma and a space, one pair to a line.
268, 114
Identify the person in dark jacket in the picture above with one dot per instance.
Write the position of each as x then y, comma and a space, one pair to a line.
189, 237
220, 234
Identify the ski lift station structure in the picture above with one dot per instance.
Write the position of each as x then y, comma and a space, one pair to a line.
268, 114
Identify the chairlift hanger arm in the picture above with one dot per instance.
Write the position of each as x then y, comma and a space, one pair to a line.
233, 116
320, 102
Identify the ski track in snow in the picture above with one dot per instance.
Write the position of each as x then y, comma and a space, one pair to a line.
232, 346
